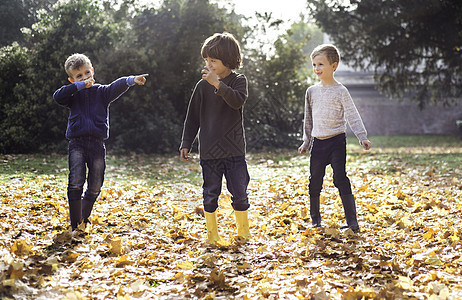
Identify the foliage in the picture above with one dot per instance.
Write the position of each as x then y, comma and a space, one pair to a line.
165, 43
16, 14
147, 235
308, 33
14, 60
35, 121
122, 38
277, 82
413, 47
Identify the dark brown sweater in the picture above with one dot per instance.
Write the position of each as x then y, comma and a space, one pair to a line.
218, 117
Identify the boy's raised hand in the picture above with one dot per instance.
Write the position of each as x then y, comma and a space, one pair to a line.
141, 79
89, 82
210, 76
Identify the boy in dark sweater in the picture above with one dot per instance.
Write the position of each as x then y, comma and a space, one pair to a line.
87, 129
216, 112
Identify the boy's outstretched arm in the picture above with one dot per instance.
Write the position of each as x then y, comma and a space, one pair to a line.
141, 79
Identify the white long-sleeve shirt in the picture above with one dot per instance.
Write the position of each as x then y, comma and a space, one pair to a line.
327, 110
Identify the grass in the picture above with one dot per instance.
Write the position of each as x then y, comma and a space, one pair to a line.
425, 153
389, 154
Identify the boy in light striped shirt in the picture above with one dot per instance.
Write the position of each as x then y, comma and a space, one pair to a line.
328, 107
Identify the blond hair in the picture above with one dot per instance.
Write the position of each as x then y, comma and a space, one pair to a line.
330, 51
76, 61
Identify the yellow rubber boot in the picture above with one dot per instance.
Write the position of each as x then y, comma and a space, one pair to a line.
242, 222
212, 227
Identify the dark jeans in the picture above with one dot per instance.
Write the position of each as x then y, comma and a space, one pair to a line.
332, 152
86, 152
237, 179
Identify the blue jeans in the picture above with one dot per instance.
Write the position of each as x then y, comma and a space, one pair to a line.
237, 179
324, 152
86, 152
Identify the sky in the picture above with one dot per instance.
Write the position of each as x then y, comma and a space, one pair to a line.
284, 9
287, 10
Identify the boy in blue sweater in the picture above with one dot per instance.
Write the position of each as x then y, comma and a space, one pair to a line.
87, 129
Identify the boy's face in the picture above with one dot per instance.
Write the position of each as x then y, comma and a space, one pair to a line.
322, 68
81, 74
217, 66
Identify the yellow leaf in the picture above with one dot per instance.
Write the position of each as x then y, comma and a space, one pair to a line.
332, 232
123, 261
115, 246
16, 270
186, 265
223, 243
72, 257
262, 248
291, 238
9, 282
454, 238
73, 296
372, 208
404, 282
263, 227
244, 265
20, 247
217, 277
284, 205
302, 192
400, 195
433, 260
429, 234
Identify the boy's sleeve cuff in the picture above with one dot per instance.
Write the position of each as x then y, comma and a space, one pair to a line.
131, 80
80, 85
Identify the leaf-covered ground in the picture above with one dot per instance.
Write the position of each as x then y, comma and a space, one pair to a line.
148, 231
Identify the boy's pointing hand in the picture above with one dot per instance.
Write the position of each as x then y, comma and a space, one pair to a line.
141, 79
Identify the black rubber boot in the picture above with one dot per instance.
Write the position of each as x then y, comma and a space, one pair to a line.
314, 212
87, 207
350, 212
74, 198
75, 213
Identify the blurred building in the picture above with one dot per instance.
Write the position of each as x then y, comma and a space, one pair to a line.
384, 116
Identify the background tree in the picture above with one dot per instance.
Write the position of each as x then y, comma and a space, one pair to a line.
33, 121
16, 14
121, 39
164, 42
413, 46
277, 83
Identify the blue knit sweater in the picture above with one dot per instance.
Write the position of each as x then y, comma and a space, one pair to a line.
89, 108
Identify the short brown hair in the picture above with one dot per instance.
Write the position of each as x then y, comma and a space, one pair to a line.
76, 61
225, 47
330, 51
